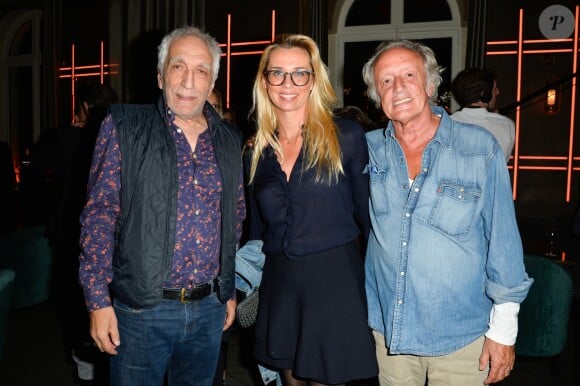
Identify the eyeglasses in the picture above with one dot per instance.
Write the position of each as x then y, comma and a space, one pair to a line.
298, 77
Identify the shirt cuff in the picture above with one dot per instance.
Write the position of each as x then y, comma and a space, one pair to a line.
503, 323
97, 297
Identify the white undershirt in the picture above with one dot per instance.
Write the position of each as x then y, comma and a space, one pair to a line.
503, 323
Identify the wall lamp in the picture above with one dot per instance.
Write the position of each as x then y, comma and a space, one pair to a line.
552, 99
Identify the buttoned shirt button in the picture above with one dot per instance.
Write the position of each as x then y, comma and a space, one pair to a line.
195, 181
416, 189
407, 214
197, 241
402, 273
405, 186
195, 270
179, 130
197, 212
404, 243
424, 170
400, 301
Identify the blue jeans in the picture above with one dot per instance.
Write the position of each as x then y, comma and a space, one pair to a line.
180, 340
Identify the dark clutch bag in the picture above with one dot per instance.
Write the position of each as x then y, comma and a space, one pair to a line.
247, 310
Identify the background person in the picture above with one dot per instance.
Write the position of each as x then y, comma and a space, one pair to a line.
229, 116
161, 225
215, 99
71, 152
309, 205
444, 264
476, 92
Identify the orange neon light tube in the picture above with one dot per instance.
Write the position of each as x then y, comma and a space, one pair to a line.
554, 51
102, 64
502, 53
572, 108
228, 59
243, 53
83, 75
544, 157
72, 83
241, 44
555, 168
62, 69
518, 108
532, 41
273, 25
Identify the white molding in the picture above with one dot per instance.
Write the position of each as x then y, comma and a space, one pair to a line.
340, 35
9, 25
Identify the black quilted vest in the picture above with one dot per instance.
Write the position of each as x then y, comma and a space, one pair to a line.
145, 230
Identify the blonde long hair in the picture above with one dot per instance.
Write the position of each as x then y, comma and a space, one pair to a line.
320, 134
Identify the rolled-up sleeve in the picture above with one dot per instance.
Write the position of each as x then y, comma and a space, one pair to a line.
507, 280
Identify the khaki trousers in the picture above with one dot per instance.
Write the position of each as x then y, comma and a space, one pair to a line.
460, 368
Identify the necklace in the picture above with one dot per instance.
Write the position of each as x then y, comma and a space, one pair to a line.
290, 141
289, 151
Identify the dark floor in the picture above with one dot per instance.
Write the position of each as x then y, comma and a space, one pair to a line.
34, 355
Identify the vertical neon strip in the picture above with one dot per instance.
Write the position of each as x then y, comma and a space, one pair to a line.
228, 59
273, 25
72, 82
572, 110
518, 109
102, 62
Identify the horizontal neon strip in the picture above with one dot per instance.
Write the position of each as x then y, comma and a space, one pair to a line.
561, 51
554, 168
86, 67
548, 157
501, 53
242, 44
258, 42
244, 53
531, 41
89, 74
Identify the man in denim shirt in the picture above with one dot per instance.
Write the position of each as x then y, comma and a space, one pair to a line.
444, 265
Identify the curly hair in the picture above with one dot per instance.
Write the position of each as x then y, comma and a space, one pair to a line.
212, 45
432, 69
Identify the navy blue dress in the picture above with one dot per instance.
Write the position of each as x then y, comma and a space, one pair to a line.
312, 316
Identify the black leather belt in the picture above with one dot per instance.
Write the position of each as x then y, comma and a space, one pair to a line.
185, 295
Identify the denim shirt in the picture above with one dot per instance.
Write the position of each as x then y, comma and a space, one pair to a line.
444, 249
249, 264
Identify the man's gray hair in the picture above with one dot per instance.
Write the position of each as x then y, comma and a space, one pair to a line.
432, 69
212, 45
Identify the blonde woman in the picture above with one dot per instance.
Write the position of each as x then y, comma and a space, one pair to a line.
309, 204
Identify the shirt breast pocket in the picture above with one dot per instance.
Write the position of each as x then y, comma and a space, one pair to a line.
454, 210
377, 179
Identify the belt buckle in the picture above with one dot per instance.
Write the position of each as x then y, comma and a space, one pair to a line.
182, 297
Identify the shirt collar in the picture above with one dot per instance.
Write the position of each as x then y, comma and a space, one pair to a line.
209, 113
443, 133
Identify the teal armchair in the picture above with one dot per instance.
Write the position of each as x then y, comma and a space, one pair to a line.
543, 317
28, 254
